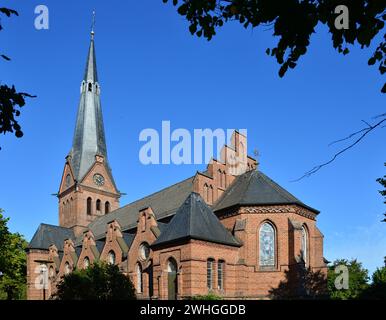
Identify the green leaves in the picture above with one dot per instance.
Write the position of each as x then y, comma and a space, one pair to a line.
293, 22
12, 262
358, 277
100, 281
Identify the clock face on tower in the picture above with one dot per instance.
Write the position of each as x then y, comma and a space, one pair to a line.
99, 180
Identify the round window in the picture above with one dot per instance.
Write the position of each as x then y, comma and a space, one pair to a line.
144, 251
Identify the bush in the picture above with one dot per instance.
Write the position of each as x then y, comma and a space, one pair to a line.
100, 281
209, 296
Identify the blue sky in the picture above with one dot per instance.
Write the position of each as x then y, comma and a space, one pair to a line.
151, 69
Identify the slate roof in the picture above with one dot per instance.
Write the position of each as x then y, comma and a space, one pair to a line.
47, 235
89, 135
128, 238
195, 220
163, 203
255, 188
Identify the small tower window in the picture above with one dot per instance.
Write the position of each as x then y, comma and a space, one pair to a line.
98, 205
86, 262
111, 257
89, 209
107, 207
90, 86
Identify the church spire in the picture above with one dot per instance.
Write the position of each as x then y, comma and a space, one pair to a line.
91, 68
89, 137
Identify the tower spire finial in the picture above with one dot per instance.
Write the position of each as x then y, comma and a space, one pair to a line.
93, 24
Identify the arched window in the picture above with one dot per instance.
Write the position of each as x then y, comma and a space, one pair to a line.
68, 180
86, 262
89, 204
111, 257
138, 271
107, 207
209, 274
172, 265
225, 179
220, 178
67, 268
90, 86
267, 242
172, 279
205, 193
98, 205
210, 194
220, 274
304, 244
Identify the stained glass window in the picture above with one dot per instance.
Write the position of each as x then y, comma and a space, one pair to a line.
267, 245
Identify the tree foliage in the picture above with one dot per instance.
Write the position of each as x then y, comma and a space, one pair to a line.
382, 181
100, 281
12, 262
293, 22
357, 284
10, 100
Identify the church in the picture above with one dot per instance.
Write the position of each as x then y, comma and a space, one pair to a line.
216, 232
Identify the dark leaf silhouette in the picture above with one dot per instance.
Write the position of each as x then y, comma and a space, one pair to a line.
10, 100
292, 22
301, 283
8, 12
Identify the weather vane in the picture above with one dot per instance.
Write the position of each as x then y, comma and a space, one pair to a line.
93, 23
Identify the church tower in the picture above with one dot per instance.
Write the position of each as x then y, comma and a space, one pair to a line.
87, 189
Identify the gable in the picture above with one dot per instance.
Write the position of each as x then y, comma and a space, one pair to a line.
99, 168
67, 171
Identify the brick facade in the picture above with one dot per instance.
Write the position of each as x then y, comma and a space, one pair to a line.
242, 275
88, 196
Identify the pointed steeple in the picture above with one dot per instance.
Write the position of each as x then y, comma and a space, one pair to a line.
89, 136
91, 68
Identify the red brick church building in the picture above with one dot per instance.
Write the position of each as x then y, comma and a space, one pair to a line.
214, 232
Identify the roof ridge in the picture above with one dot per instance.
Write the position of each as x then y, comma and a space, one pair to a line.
53, 225
152, 194
278, 188
249, 177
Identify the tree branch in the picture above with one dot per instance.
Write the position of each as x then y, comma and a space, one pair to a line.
364, 132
